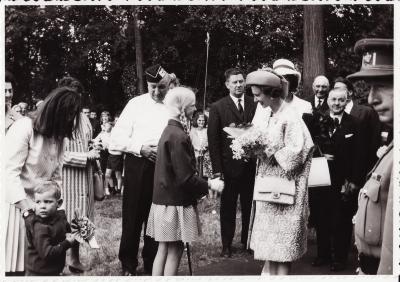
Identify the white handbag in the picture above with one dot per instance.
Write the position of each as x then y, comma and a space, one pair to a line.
319, 173
274, 189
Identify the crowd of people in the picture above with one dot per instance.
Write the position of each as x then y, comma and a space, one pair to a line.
163, 156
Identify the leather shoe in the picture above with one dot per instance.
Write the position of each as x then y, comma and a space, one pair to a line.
320, 261
337, 266
226, 252
73, 269
128, 272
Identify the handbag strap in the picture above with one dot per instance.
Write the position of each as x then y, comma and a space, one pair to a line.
319, 150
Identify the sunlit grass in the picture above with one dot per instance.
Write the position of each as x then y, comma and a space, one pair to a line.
104, 261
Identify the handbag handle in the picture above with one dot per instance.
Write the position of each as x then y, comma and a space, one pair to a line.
319, 150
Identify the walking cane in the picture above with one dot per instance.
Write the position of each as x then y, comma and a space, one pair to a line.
189, 260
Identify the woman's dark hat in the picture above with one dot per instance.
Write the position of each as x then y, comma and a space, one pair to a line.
377, 60
155, 73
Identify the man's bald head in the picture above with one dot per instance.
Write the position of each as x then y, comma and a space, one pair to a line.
321, 86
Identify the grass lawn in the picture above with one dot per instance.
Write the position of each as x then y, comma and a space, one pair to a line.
104, 261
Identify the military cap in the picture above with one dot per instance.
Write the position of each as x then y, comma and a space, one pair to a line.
377, 58
155, 73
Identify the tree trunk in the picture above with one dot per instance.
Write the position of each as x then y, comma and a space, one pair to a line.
139, 51
314, 52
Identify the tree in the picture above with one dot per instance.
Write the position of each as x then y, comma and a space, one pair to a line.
97, 44
138, 49
314, 51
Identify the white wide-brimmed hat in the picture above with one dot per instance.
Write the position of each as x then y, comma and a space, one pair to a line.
285, 67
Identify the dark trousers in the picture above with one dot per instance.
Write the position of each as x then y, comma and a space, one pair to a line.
234, 187
137, 198
332, 218
320, 213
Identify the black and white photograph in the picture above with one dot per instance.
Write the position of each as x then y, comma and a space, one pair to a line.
199, 140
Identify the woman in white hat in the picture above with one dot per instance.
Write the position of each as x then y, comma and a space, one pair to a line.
286, 68
279, 231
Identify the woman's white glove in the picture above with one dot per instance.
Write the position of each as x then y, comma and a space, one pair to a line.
216, 184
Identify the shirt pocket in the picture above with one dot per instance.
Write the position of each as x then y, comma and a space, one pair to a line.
369, 215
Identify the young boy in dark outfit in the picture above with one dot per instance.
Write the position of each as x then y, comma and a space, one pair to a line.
48, 233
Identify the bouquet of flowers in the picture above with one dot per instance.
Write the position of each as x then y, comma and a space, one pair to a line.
83, 230
249, 143
235, 130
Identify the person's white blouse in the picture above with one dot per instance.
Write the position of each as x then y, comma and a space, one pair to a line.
30, 160
199, 139
301, 106
141, 122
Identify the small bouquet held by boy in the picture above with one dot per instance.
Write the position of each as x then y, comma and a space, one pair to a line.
83, 230
248, 141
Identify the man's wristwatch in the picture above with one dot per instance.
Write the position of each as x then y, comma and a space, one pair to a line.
26, 212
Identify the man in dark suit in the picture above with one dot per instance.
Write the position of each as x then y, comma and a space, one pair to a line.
317, 195
236, 108
334, 219
370, 126
319, 99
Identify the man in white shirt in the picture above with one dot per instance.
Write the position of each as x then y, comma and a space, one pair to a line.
286, 68
136, 134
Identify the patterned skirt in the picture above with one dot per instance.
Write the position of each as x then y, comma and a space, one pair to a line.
77, 191
203, 165
173, 223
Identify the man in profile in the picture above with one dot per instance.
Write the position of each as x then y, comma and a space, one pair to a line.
374, 219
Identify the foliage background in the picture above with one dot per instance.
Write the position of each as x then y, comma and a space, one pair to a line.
96, 44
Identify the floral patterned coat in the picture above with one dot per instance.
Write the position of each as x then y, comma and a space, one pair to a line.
279, 232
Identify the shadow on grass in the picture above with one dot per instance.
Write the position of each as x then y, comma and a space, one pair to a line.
108, 220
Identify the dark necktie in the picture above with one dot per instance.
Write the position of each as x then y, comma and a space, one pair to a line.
336, 122
240, 107
319, 103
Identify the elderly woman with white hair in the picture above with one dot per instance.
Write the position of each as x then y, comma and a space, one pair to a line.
173, 217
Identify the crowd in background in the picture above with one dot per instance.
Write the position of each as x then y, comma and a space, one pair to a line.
163, 156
